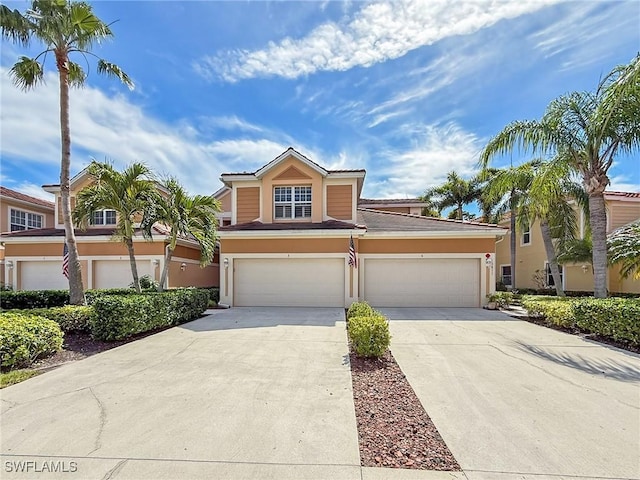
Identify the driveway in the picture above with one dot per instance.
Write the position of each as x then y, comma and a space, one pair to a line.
516, 400
243, 393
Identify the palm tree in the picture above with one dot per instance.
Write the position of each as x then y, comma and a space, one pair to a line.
187, 217
455, 192
624, 249
585, 131
64, 27
542, 193
129, 193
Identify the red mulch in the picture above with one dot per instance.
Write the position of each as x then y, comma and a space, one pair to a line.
394, 431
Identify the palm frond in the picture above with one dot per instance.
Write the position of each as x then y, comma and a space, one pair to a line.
77, 75
14, 26
26, 73
112, 70
624, 250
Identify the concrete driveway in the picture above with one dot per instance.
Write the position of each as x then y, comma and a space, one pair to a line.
243, 393
515, 400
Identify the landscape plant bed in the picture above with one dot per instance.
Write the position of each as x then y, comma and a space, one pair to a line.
576, 331
394, 431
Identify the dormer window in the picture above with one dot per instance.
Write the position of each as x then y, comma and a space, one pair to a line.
292, 202
104, 217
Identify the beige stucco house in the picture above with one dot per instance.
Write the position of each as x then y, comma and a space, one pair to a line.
286, 238
33, 257
531, 258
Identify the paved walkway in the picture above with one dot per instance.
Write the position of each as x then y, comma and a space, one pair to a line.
244, 393
515, 400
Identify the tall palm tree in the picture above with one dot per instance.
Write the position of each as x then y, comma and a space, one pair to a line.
129, 193
186, 217
455, 192
543, 194
585, 131
64, 27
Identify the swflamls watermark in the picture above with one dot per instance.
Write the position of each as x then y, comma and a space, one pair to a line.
44, 466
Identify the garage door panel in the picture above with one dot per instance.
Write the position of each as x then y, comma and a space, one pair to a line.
422, 282
117, 273
42, 276
289, 282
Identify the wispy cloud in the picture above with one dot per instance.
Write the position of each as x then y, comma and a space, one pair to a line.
110, 126
376, 33
623, 183
436, 150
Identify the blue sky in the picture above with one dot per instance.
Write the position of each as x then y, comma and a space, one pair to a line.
409, 90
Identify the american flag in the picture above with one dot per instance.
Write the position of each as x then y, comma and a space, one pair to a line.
353, 259
65, 260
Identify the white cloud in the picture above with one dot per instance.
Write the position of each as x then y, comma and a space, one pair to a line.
104, 126
376, 33
622, 183
438, 150
34, 190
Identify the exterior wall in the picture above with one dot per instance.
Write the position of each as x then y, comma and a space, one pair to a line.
393, 209
285, 245
225, 202
9, 203
281, 176
621, 212
340, 201
192, 275
440, 245
248, 204
105, 248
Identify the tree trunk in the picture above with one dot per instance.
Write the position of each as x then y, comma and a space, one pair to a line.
551, 257
598, 219
165, 268
76, 292
512, 241
134, 268
459, 211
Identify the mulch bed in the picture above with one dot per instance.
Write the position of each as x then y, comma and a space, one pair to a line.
78, 345
394, 431
581, 333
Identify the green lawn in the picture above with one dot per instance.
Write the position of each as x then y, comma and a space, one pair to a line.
16, 376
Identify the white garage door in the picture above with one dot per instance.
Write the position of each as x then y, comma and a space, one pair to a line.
117, 273
422, 282
289, 282
42, 276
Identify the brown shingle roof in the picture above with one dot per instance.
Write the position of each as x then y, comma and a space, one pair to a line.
7, 192
59, 232
624, 194
381, 221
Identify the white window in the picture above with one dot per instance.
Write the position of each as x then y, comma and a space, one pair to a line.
549, 277
505, 275
292, 202
21, 220
526, 235
104, 217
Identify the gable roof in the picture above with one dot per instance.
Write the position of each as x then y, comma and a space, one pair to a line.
382, 221
392, 202
7, 192
291, 152
622, 194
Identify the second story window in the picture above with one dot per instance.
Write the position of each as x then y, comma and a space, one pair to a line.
21, 220
292, 202
526, 235
104, 217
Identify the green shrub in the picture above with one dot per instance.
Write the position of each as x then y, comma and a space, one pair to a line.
618, 318
555, 310
502, 299
214, 294
369, 335
71, 318
146, 283
360, 309
24, 337
121, 316
27, 299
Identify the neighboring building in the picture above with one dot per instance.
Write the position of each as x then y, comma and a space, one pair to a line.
33, 257
413, 206
21, 212
531, 258
288, 238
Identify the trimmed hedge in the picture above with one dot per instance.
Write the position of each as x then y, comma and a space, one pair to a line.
71, 318
369, 335
556, 310
360, 309
618, 318
24, 337
27, 299
121, 316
